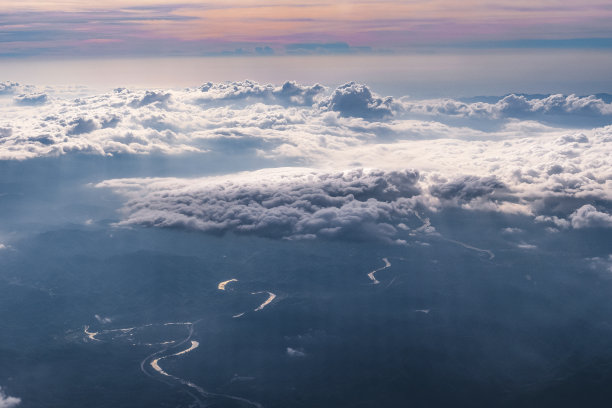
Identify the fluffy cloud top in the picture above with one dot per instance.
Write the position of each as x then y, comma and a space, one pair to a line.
467, 188
285, 203
31, 99
290, 93
514, 106
290, 120
357, 100
298, 203
588, 216
561, 176
8, 88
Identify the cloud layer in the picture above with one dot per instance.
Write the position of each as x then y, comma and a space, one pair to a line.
285, 203
536, 155
290, 119
515, 106
298, 203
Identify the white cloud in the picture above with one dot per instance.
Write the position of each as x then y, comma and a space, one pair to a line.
519, 165
7, 401
301, 203
558, 222
515, 106
291, 352
8, 88
303, 122
31, 99
280, 203
588, 216
524, 245
357, 100
290, 93
467, 188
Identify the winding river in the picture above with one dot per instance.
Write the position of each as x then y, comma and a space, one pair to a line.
271, 297
372, 274
463, 244
152, 365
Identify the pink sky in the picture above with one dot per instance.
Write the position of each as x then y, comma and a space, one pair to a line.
199, 27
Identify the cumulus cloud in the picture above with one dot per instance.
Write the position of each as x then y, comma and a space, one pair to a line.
31, 99
302, 122
517, 166
80, 126
285, 203
299, 203
514, 106
8, 88
6, 401
110, 122
561, 104
289, 93
357, 100
467, 188
151, 97
158, 121
587, 216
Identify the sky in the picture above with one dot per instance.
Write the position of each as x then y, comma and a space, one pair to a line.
199, 28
